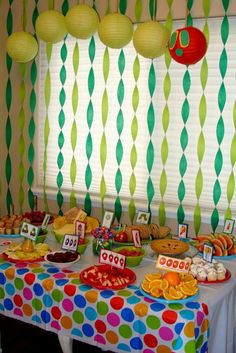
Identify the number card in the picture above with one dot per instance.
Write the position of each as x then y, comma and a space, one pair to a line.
70, 242
29, 231
46, 220
80, 229
173, 264
183, 231
112, 258
136, 238
208, 252
229, 226
142, 217
107, 219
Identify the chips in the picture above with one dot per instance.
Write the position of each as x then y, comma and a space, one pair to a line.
157, 286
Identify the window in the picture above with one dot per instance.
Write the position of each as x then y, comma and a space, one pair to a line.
86, 128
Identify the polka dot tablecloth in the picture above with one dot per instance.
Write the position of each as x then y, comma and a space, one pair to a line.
121, 321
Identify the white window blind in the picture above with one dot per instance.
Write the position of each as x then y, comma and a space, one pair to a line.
173, 134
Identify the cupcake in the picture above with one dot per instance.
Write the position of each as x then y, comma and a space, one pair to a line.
16, 227
220, 275
212, 275
201, 275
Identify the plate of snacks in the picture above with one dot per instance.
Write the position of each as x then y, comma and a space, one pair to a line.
62, 259
209, 272
169, 246
10, 226
170, 287
36, 217
107, 277
224, 245
26, 251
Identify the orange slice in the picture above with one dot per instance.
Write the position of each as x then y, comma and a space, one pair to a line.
185, 289
155, 283
152, 276
187, 277
164, 284
145, 286
156, 292
166, 295
175, 294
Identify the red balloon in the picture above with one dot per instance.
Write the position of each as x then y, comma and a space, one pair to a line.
187, 45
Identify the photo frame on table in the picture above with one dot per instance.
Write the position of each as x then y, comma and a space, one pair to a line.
182, 231
142, 217
107, 219
228, 226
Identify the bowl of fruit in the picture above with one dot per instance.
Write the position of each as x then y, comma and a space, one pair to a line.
42, 236
62, 259
36, 217
82, 246
133, 255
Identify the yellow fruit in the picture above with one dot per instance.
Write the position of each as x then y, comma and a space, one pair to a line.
164, 284
175, 294
91, 223
187, 278
191, 283
152, 276
185, 289
59, 222
145, 286
155, 283
166, 295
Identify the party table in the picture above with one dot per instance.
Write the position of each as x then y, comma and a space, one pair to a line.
121, 321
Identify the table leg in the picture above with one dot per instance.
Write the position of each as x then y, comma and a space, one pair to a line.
66, 343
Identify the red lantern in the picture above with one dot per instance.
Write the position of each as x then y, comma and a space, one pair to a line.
187, 45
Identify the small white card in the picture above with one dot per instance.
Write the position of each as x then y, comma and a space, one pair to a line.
70, 242
208, 252
29, 231
136, 238
46, 220
183, 231
229, 226
107, 219
142, 217
112, 258
80, 229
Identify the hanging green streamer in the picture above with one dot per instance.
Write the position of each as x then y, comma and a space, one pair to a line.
123, 6
223, 64
8, 128
202, 118
31, 127
119, 127
165, 123
184, 133
73, 139
90, 117
103, 143
138, 10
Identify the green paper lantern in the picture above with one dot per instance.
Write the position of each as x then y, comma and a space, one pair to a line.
115, 30
50, 26
82, 21
151, 39
22, 46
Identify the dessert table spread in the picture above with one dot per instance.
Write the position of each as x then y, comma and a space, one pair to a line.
123, 320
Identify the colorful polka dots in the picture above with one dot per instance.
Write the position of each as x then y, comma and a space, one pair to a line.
121, 320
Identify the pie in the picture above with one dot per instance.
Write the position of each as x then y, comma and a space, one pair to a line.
169, 246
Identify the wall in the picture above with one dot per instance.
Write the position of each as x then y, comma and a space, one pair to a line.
14, 124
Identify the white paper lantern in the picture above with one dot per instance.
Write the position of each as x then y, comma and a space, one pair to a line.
115, 30
150, 39
82, 21
50, 26
22, 46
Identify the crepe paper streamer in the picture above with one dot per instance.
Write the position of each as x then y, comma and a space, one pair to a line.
165, 124
150, 39
183, 163
103, 143
81, 21
231, 180
202, 118
138, 9
8, 128
119, 126
187, 45
50, 26
31, 126
22, 47
90, 116
220, 129
115, 30
73, 140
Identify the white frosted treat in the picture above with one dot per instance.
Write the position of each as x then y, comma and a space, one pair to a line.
221, 275
212, 275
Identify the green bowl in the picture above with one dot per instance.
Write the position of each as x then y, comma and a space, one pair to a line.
131, 261
82, 247
41, 237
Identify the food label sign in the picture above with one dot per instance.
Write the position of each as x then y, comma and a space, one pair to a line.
70, 242
46, 220
173, 264
112, 258
29, 231
136, 238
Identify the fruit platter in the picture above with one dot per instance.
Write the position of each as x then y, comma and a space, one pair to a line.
26, 251
224, 245
36, 217
62, 259
107, 277
209, 272
170, 287
133, 255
